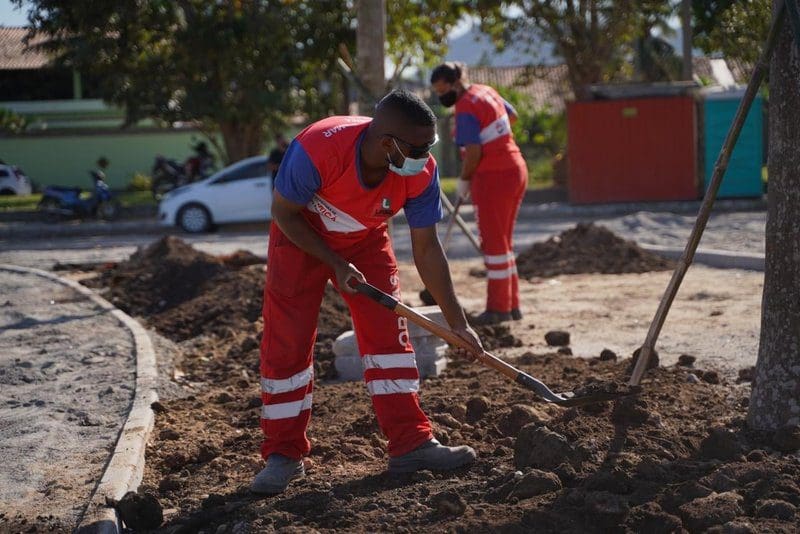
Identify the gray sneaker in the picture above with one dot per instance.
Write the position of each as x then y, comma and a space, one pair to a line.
432, 455
275, 477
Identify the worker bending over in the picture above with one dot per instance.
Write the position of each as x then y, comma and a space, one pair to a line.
342, 178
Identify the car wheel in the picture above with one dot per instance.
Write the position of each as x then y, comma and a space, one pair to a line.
194, 218
7, 192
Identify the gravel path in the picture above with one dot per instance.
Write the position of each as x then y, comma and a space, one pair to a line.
67, 375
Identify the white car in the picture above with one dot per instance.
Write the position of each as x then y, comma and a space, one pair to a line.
13, 181
241, 192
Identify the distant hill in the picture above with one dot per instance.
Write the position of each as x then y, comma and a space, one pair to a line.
475, 48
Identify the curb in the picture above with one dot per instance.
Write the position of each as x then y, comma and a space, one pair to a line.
125, 467
721, 259
77, 229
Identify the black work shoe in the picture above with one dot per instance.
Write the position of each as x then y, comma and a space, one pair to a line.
434, 456
516, 314
490, 317
275, 477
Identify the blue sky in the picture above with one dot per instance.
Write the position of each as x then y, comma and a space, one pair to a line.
10, 16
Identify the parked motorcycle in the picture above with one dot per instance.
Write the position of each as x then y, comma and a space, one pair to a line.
168, 174
59, 203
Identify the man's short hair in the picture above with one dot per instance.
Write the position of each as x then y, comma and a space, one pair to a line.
407, 106
449, 72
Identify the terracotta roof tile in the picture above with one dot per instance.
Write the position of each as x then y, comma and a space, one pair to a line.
547, 86
15, 54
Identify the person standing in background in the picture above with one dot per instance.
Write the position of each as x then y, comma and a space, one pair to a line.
276, 155
494, 174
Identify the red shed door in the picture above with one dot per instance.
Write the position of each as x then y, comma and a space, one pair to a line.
632, 150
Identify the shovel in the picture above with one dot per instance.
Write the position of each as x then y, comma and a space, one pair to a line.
449, 233
525, 380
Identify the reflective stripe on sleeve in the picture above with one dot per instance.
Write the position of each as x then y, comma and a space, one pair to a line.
389, 387
389, 361
286, 410
284, 385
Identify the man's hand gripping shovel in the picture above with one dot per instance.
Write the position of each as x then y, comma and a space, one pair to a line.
525, 380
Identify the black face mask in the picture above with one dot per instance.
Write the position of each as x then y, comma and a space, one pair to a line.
449, 98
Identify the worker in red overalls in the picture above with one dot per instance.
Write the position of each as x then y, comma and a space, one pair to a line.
494, 174
341, 179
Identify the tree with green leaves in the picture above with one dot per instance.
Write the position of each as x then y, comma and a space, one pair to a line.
593, 37
735, 28
237, 68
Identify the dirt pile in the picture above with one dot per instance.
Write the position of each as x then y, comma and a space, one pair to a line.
650, 464
587, 248
677, 456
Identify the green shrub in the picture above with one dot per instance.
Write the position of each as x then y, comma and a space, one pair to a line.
140, 182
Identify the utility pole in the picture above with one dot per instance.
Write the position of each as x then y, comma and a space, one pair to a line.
686, 24
370, 39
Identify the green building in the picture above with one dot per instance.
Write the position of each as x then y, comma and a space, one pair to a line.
69, 128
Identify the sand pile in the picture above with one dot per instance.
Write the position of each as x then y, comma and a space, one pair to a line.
587, 248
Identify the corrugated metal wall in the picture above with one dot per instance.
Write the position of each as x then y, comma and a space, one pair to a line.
636, 149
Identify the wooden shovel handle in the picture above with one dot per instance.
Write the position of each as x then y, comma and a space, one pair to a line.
443, 332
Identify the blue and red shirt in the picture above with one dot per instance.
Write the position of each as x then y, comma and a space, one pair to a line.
482, 118
321, 170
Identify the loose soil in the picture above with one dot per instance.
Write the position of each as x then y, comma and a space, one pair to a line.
587, 248
677, 456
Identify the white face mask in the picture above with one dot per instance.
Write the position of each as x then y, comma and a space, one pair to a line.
411, 166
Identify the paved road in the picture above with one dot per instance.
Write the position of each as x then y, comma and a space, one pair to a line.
743, 231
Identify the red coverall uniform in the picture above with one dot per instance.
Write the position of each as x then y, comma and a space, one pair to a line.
497, 188
321, 171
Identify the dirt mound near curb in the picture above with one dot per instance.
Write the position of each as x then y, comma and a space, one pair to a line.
587, 248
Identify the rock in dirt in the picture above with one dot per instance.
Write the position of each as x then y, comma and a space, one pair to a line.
447, 420
565, 351
720, 444
775, 509
519, 416
692, 378
477, 408
651, 518
169, 434
652, 364
711, 377
607, 355
747, 374
787, 438
706, 512
538, 446
496, 336
140, 512
686, 360
448, 503
535, 483
557, 338
587, 248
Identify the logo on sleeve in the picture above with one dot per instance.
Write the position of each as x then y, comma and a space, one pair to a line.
385, 207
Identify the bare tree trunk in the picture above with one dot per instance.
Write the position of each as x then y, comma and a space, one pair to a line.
686, 26
775, 400
370, 39
242, 139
